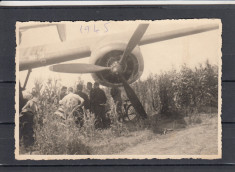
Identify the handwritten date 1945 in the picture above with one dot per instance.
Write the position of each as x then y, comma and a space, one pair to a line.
93, 28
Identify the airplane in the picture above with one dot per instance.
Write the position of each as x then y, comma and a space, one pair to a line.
116, 63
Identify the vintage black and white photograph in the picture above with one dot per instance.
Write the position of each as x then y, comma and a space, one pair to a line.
118, 89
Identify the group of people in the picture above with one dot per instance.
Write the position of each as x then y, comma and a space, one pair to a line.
93, 100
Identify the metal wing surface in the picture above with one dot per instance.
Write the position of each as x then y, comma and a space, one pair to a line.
152, 38
43, 55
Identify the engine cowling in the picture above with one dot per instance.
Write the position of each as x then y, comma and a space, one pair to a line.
109, 54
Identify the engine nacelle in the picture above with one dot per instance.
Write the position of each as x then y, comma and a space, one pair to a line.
106, 55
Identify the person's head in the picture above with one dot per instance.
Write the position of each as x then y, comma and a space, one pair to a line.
63, 89
114, 91
96, 85
79, 87
49, 81
70, 90
89, 85
34, 92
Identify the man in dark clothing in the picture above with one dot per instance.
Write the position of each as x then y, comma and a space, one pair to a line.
63, 92
99, 99
117, 98
89, 86
29, 111
91, 95
84, 96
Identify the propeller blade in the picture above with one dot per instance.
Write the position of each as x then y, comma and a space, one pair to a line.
135, 39
77, 68
133, 98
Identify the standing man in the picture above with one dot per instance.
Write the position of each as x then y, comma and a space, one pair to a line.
91, 96
84, 96
99, 100
117, 98
89, 86
29, 111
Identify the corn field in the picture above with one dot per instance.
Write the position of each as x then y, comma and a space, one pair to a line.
183, 92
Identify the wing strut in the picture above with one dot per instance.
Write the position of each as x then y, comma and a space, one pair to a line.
27, 78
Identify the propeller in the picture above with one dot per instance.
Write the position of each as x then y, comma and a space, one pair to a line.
116, 68
77, 68
135, 39
133, 97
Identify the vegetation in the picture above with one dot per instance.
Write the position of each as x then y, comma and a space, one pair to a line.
168, 99
183, 92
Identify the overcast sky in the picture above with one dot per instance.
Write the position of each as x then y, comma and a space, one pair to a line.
158, 57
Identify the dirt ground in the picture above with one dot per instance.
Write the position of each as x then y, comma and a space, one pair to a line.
196, 139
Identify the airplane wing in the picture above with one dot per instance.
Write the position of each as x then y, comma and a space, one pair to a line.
43, 55
148, 39
33, 57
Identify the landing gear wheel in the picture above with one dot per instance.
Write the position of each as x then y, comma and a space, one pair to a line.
131, 113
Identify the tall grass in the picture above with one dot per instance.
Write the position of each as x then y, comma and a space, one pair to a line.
55, 135
182, 92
